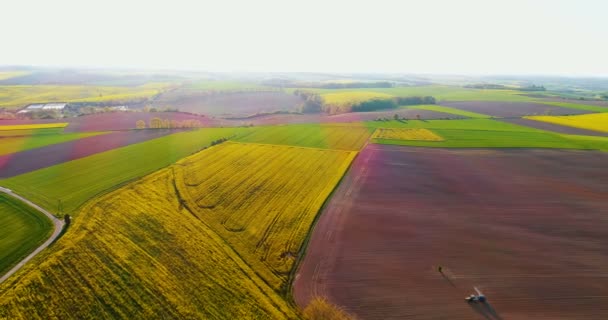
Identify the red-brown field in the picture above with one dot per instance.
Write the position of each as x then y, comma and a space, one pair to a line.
511, 109
34, 159
113, 121
229, 103
126, 120
525, 226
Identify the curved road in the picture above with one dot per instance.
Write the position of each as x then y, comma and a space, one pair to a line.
56, 222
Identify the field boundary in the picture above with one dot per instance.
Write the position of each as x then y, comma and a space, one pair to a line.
289, 146
289, 296
58, 228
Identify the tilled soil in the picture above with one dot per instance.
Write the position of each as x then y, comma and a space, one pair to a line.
525, 226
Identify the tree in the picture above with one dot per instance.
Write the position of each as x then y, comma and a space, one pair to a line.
156, 123
396, 117
140, 124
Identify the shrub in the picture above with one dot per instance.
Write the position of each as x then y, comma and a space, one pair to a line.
321, 309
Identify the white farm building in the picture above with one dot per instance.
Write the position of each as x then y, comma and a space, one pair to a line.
43, 106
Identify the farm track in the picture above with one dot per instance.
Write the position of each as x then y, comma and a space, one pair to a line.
57, 224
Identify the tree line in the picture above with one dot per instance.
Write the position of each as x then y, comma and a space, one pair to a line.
158, 123
313, 103
352, 85
383, 104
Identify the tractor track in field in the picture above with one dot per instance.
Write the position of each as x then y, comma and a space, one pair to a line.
58, 228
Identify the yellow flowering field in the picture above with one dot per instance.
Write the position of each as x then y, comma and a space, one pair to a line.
592, 121
406, 134
33, 126
213, 236
350, 97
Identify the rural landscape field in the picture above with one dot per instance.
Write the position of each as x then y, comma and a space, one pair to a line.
318, 161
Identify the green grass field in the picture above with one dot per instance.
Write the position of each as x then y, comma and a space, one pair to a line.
77, 181
30, 132
11, 144
487, 133
313, 136
22, 95
23, 229
449, 110
578, 106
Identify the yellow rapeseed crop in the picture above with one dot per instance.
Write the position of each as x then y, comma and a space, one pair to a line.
212, 236
593, 121
33, 126
406, 134
21, 95
351, 97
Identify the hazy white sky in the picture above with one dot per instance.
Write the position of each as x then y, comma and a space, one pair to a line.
417, 36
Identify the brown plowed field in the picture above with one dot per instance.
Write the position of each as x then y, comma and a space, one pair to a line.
511, 109
527, 227
554, 127
126, 120
29, 160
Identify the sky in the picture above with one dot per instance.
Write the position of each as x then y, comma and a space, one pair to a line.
479, 37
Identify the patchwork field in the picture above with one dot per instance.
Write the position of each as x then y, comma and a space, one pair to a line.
314, 136
23, 229
511, 109
213, 236
29, 153
596, 121
409, 114
527, 227
406, 134
553, 127
488, 133
16, 143
77, 181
